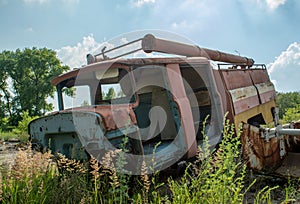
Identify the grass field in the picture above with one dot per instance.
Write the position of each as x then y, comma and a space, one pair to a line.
213, 178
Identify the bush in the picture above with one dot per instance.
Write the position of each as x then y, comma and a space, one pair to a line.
4, 124
22, 129
291, 114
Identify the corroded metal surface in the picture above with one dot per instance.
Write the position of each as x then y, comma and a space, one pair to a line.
112, 118
259, 154
150, 43
268, 150
263, 84
241, 88
293, 142
173, 74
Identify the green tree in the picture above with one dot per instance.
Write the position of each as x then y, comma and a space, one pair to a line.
5, 96
30, 71
285, 101
85, 103
111, 94
292, 114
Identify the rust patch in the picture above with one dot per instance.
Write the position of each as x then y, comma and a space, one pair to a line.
113, 117
259, 154
293, 142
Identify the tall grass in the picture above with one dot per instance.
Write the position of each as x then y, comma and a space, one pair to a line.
214, 178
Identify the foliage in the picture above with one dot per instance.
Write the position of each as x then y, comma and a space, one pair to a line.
5, 96
217, 179
111, 94
214, 178
20, 132
29, 72
3, 124
288, 100
292, 114
10, 135
22, 127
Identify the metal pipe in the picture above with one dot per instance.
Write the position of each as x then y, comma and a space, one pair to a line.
291, 132
152, 44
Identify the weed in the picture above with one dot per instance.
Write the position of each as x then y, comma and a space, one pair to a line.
214, 178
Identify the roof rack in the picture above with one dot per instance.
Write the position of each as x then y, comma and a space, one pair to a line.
149, 43
240, 66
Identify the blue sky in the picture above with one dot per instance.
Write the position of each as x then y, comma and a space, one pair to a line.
265, 30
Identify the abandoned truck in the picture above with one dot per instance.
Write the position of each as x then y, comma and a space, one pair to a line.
164, 105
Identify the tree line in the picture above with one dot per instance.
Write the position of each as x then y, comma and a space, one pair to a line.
289, 106
25, 77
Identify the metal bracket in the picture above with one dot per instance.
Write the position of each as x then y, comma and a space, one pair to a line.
282, 146
267, 133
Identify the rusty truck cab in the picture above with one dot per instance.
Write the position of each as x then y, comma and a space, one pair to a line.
164, 105
165, 101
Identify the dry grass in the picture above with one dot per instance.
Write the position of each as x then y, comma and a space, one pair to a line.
29, 164
70, 165
42, 178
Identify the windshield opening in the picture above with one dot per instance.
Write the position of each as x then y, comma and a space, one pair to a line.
112, 86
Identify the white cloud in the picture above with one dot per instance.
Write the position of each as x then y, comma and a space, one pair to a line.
270, 5
75, 56
285, 70
274, 4
139, 3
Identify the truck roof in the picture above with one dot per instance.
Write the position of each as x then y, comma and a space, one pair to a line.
122, 62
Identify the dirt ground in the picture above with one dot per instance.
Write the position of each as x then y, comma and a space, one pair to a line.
8, 151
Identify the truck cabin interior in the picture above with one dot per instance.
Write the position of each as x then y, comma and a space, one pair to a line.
156, 114
201, 108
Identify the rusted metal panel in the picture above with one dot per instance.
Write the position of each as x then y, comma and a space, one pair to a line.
236, 78
293, 142
113, 117
259, 75
264, 109
240, 86
244, 98
248, 88
224, 95
267, 149
291, 164
123, 63
259, 154
179, 96
266, 92
263, 84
